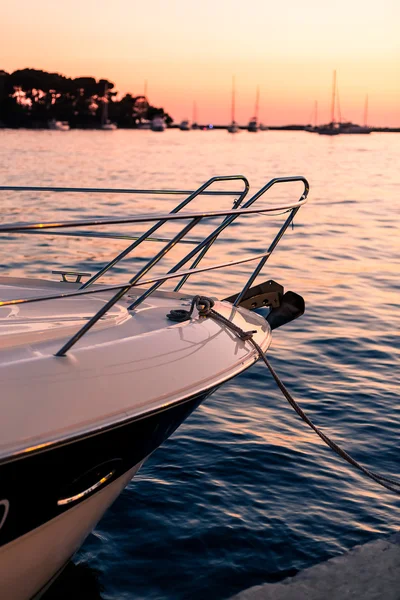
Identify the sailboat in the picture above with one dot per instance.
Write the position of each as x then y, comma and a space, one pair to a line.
336, 127
233, 127
106, 124
331, 128
253, 123
313, 128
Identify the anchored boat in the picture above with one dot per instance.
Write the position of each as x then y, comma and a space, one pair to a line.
95, 376
233, 127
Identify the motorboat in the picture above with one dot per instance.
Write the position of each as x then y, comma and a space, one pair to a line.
158, 124
336, 128
263, 127
184, 125
144, 124
353, 128
331, 128
55, 125
96, 375
109, 126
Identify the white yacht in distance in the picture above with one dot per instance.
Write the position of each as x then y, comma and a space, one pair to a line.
58, 125
106, 124
144, 124
95, 376
158, 124
233, 127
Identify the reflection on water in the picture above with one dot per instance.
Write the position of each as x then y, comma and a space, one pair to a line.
243, 493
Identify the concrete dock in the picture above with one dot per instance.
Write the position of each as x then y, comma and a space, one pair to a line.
367, 572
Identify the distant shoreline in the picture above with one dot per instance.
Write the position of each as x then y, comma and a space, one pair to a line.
208, 127
36, 99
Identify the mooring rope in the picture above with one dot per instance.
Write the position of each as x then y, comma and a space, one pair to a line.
205, 309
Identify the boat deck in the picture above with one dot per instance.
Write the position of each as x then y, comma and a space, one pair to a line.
39, 323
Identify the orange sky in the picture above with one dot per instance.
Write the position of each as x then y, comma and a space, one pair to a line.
189, 51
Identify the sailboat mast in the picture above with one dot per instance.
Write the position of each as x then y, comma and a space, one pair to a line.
194, 113
366, 111
333, 97
316, 113
257, 103
338, 103
233, 100
104, 112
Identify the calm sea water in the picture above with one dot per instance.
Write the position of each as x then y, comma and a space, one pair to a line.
243, 492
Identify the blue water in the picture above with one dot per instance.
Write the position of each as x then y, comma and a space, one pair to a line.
244, 492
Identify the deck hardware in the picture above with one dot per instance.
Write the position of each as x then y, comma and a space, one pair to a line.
178, 315
77, 274
265, 294
291, 307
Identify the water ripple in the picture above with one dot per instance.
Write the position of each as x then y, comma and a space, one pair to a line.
243, 492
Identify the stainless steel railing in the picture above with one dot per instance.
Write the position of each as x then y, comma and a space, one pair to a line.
177, 272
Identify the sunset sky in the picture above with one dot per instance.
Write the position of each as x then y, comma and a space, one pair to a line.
189, 50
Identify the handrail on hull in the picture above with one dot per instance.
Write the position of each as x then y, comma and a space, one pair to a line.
197, 253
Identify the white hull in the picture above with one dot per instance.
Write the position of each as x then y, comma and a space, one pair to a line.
31, 376
29, 563
109, 127
58, 126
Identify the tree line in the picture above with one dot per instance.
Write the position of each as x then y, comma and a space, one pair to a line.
32, 98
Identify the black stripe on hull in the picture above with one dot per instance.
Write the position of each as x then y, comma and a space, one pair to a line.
36, 488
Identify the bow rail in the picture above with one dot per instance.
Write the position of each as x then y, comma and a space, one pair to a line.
201, 247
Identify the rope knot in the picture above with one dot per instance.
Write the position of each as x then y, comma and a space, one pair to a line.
203, 305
